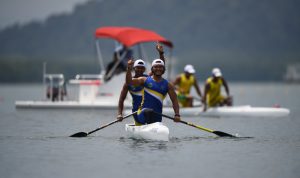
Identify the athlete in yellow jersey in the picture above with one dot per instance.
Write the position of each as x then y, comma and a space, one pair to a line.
212, 91
184, 83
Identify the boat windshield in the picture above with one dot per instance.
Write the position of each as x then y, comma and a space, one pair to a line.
54, 80
55, 86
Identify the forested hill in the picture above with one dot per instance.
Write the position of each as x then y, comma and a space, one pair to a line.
248, 39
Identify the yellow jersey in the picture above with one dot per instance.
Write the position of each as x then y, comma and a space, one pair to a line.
186, 84
214, 94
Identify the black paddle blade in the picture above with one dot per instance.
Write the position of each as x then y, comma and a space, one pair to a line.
223, 134
79, 134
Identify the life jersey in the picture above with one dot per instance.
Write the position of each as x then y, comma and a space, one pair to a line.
137, 95
186, 84
214, 93
154, 94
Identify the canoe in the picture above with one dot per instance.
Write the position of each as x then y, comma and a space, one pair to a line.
229, 111
155, 131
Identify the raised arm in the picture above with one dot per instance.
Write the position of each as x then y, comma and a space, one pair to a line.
133, 81
128, 72
160, 50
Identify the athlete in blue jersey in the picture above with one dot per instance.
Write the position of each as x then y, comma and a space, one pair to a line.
155, 90
135, 91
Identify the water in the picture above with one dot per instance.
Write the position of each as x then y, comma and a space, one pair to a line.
35, 143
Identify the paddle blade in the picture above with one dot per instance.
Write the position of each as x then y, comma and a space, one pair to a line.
79, 134
223, 134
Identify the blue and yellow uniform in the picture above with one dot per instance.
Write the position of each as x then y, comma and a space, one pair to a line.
136, 93
154, 94
214, 96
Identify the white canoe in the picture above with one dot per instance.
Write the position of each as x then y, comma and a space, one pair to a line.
229, 111
232, 111
156, 131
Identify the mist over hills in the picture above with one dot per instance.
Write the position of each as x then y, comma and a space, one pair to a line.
247, 39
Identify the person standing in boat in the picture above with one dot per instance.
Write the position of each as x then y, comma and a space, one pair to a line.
119, 62
183, 84
155, 90
136, 91
212, 91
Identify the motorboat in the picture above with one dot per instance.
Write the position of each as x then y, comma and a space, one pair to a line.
101, 90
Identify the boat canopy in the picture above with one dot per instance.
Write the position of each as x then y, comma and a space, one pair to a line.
130, 36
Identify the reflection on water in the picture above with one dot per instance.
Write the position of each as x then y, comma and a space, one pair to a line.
206, 139
143, 144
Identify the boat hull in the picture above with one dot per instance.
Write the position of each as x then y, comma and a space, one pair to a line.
232, 111
156, 131
229, 111
67, 105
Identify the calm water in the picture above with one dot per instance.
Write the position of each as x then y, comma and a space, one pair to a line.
35, 143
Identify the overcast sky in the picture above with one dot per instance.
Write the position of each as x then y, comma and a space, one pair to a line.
23, 11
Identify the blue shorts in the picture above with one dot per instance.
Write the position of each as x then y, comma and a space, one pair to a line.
147, 116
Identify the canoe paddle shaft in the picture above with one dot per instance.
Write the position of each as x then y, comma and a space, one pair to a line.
84, 134
219, 133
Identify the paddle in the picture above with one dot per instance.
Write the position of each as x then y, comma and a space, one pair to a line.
84, 134
219, 133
